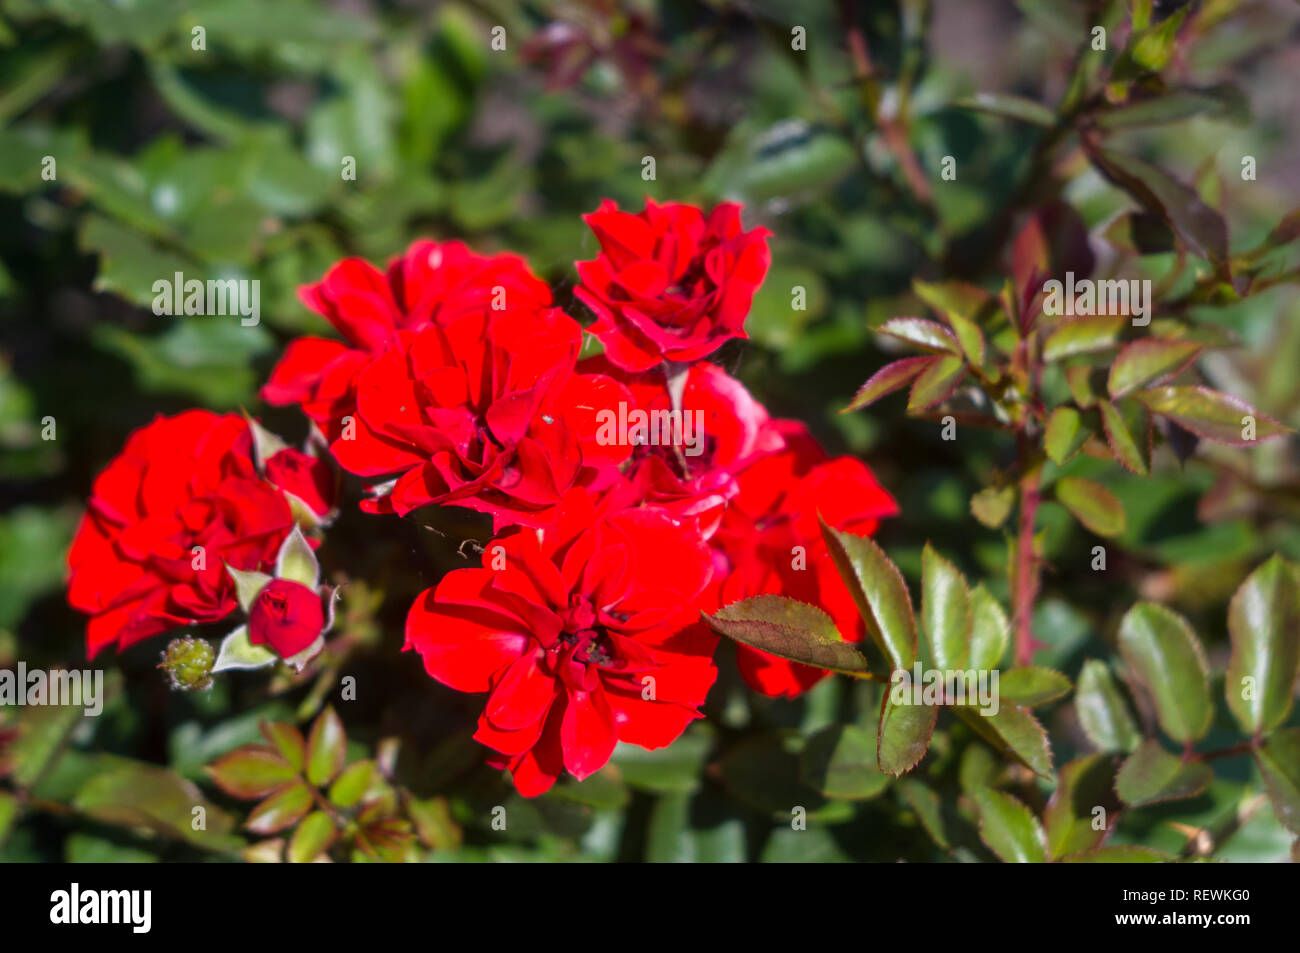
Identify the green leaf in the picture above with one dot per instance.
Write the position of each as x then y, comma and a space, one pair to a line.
296, 561
936, 383
888, 379
1086, 784
990, 630
840, 762
1066, 434
1264, 625
789, 629
1211, 414
763, 771
1151, 49
922, 799
1032, 685
237, 652
879, 591
1278, 760
1087, 385
1009, 829
1092, 505
247, 585
1103, 714
312, 838
281, 810
1009, 107
350, 786
1013, 733
969, 337
1151, 775
1129, 435
992, 505
134, 794
288, 740
928, 335
8, 813
1150, 359
1167, 658
945, 611
1071, 336
325, 748
904, 734
252, 771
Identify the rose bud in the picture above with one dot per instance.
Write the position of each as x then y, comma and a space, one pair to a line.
286, 616
310, 479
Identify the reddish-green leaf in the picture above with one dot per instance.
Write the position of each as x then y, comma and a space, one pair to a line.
1012, 732
1211, 414
350, 786
1150, 359
1166, 657
1092, 505
929, 335
325, 748
790, 629
879, 591
936, 383
1083, 335
288, 740
1128, 433
888, 379
1067, 431
1118, 854
252, 771
280, 810
312, 838
1264, 623
1151, 775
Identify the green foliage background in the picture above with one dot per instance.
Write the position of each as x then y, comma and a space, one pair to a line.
225, 161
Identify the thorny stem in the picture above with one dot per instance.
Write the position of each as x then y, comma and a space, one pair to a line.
893, 133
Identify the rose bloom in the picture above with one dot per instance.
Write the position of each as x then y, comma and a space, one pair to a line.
690, 468
180, 482
583, 635
485, 413
432, 283
670, 284
774, 511
287, 616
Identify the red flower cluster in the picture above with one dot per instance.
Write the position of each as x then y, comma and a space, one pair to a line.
628, 492
181, 502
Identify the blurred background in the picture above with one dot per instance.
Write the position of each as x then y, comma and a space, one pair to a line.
208, 138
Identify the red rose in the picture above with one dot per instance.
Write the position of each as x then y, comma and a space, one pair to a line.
431, 283
310, 479
287, 616
180, 483
583, 635
484, 413
688, 464
670, 284
772, 544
